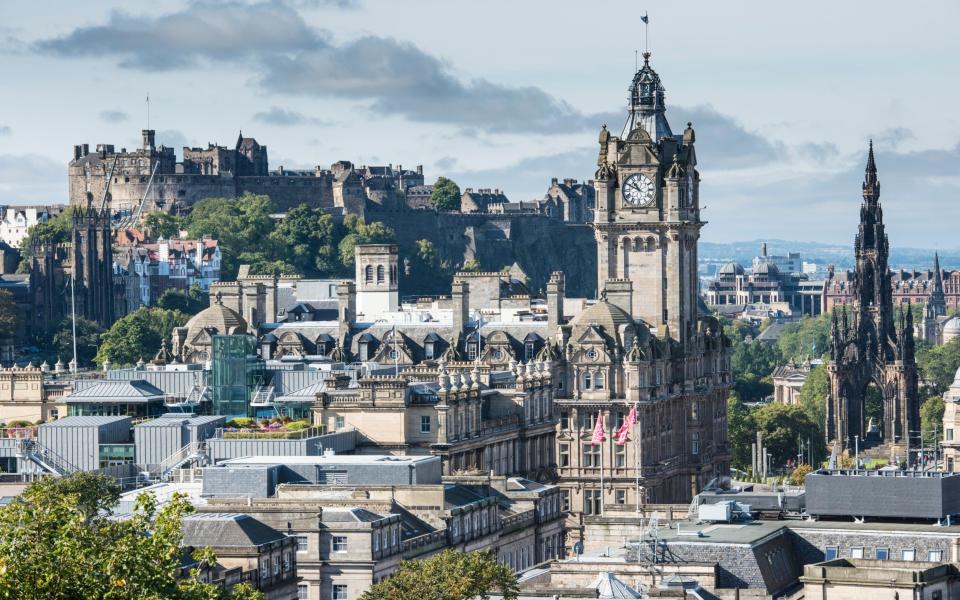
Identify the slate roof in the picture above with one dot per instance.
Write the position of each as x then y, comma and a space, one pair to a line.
351, 515
227, 530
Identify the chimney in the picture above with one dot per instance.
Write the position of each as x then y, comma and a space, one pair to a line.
76, 152
763, 249
86, 149
555, 293
346, 303
419, 169
461, 306
553, 181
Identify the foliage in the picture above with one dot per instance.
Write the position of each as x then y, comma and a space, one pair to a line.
241, 226
161, 224
814, 392
445, 195
872, 405
359, 232
805, 339
308, 238
242, 422
57, 540
471, 266
931, 419
752, 364
449, 575
799, 475
190, 302
938, 365
54, 231
88, 340
9, 314
740, 431
138, 335
783, 426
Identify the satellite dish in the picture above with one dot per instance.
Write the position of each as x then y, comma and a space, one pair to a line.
578, 548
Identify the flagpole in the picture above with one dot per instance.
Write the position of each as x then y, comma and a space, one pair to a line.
636, 436
602, 449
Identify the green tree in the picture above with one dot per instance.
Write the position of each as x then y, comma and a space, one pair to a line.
806, 339
740, 431
58, 540
190, 302
931, 419
445, 195
783, 426
938, 366
471, 266
752, 363
813, 394
240, 225
54, 231
88, 340
138, 335
308, 237
449, 575
359, 232
9, 314
162, 224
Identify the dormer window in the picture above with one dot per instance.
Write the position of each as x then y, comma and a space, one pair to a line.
528, 351
428, 349
587, 380
598, 381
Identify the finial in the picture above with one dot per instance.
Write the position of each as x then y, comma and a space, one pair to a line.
646, 59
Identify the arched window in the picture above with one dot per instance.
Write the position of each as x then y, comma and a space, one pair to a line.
380, 274
598, 381
368, 274
587, 381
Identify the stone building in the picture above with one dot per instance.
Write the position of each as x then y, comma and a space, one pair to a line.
570, 201
951, 426
907, 287
786, 291
869, 344
149, 268
788, 380
33, 393
16, 220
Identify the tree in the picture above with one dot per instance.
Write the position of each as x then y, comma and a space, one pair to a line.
138, 335
55, 231
752, 363
9, 314
360, 232
162, 224
308, 237
806, 339
88, 340
449, 575
813, 394
58, 540
931, 419
238, 224
740, 431
938, 365
445, 195
471, 266
799, 475
783, 426
190, 302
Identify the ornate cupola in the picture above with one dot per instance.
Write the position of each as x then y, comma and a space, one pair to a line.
646, 102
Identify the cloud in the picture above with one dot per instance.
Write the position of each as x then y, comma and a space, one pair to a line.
893, 137
32, 178
113, 116
229, 31
286, 118
446, 163
5, 130
389, 76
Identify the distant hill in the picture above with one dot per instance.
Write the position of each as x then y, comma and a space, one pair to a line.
833, 254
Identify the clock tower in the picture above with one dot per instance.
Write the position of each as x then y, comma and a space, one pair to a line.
647, 218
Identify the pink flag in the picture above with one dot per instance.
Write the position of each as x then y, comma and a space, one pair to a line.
598, 436
623, 433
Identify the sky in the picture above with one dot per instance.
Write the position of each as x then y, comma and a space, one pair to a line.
504, 94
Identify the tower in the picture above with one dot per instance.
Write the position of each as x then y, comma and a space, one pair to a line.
869, 344
647, 218
91, 258
937, 304
377, 284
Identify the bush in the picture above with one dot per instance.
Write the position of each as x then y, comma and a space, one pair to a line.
19, 423
296, 425
799, 475
241, 422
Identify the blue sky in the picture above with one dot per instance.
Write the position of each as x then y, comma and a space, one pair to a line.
508, 94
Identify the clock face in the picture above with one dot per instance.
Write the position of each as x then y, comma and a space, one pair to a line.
638, 190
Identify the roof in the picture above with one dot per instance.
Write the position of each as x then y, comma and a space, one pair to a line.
350, 515
134, 391
358, 459
610, 588
225, 320
171, 420
86, 421
223, 530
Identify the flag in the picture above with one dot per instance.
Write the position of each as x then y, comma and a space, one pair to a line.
623, 433
598, 436
645, 18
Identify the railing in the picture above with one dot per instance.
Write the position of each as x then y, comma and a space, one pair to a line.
518, 520
18, 432
422, 543
262, 396
45, 458
279, 434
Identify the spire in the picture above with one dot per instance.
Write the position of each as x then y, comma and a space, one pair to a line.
937, 303
871, 185
937, 273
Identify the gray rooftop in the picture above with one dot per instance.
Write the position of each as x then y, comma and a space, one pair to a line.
136, 391
88, 421
223, 530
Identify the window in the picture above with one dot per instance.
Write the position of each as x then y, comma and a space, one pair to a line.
368, 274
935, 555
591, 455
428, 350
303, 592
598, 381
339, 423
591, 502
695, 410
695, 442
425, 424
909, 554
830, 553
376, 542
472, 350
339, 592
565, 500
564, 420
620, 496
619, 456
301, 543
276, 565
339, 543
380, 274
393, 355
587, 381
564, 455
883, 553
856, 552
287, 562
264, 568
950, 435
528, 351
